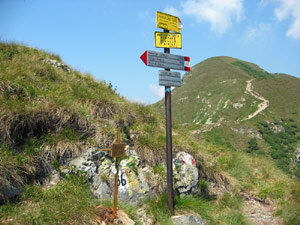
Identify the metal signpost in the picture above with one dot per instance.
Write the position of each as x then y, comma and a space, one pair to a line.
168, 79
117, 150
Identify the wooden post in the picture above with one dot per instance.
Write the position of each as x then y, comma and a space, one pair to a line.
116, 178
117, 151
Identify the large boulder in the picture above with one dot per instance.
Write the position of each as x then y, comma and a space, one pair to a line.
135, 182
186, 176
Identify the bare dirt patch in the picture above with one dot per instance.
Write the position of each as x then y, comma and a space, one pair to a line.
259, 212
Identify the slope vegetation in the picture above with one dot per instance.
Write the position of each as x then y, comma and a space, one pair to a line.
215, 91
233, 103
50, 113
227, 100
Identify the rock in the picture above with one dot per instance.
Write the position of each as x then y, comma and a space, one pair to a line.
122, 218
9, 191
186, 176
237, 105
85, 163
143, 218
187, 220
136, 183
53, 179
57, 64
248, 131
102, 190
297, 155
277, 129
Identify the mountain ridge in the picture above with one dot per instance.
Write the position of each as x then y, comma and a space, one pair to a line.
51, 114
223, 95
205, 75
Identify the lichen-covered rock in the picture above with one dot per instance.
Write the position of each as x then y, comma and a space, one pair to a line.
57, 64
277, 129
134, 180
186, 176
187, 220
88, 162
135, 183
297, 155
143, 217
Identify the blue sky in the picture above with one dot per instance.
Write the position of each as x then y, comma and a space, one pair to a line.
106, 37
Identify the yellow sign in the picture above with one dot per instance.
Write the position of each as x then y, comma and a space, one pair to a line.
167, 40
168, 22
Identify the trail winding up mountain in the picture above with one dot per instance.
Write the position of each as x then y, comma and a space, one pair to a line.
262, 106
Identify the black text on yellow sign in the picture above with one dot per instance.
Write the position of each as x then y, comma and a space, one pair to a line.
168, 40
168, 22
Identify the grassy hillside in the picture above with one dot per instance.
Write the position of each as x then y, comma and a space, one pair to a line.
49, 113
214, 91
214, 104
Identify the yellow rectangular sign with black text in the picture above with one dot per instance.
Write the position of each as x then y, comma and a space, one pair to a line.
168, 22
168, 40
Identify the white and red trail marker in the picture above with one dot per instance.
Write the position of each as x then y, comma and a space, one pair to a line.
167, 61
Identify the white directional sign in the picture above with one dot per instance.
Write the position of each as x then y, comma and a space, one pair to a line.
167, 61
168, 78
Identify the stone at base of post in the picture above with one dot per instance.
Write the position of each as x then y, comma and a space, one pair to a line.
116, 189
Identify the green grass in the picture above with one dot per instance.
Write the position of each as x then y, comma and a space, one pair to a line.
282, 143
276, 191
200, 206
289, 209
69, 202
227, 210
231, 207
251, 71
158, 208
63, 112
236, 165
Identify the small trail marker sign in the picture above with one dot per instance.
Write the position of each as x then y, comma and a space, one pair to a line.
168, 22
117, 150
168, 78
168, 40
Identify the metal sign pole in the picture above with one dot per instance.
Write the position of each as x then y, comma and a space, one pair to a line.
169, 142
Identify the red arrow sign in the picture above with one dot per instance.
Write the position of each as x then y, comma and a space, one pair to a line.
167, 61
144, 58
